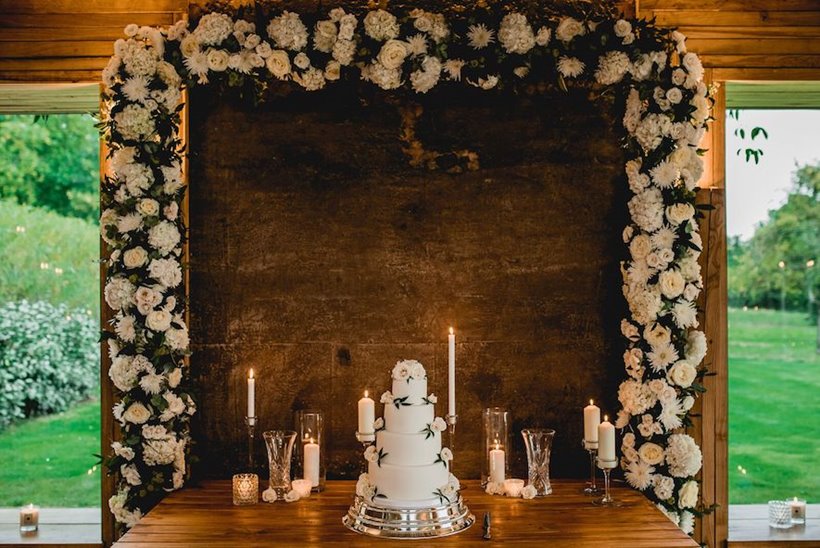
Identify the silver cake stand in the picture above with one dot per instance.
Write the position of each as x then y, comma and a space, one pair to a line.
368, 518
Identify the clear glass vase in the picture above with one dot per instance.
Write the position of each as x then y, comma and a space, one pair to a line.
539, 447
496, 446
280, 450
310, 451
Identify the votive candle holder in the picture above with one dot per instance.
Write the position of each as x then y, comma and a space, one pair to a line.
245, 489
780, 514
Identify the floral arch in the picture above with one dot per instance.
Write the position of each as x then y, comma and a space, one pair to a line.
665, 107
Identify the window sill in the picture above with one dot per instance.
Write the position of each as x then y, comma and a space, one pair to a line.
749, 528
77, 527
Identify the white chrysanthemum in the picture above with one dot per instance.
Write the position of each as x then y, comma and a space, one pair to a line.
119, 293
417, 45
453, 69
665, 174
381, 25
687, 522
515, 34
570, 67
569, 28
639, 474
670, 415
662, 356
125, 328
664, 485
612, 66
197, 65
288, 32
152, 383
685, 314
683, 456
479, 36
646, 209
664, 238
136, 89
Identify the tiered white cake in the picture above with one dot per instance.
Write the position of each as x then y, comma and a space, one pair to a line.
407, 466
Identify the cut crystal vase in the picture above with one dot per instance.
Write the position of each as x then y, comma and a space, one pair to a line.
539, 447
280, 450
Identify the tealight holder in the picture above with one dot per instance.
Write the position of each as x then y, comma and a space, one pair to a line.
29, 519
592, 448
780, 514
798, 510
496, 445
310, 451
245, 489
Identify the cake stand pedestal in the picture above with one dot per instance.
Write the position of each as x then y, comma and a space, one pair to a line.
369, 518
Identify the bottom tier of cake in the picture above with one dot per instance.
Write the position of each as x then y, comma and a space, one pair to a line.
408, 485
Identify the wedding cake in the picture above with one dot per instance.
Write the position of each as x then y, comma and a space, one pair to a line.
407, 465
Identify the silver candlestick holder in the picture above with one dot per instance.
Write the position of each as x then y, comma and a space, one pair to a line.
251, 423
606, 466
592, 448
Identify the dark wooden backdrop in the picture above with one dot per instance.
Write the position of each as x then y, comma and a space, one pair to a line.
319, 257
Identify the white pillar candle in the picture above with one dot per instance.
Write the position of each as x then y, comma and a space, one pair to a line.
592, 418
29, 518
367, 414
606, 444
251, 394
497, 465
513, 487
311, 462
451, 374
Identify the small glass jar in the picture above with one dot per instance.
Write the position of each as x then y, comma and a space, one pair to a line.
496, 446
310, 449
245, 489
780, 514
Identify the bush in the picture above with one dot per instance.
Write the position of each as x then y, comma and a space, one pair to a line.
49, 258
49, 359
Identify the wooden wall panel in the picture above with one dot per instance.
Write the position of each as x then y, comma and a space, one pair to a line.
70, 40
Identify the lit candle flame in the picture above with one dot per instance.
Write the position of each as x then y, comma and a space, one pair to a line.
590, 401
365, 393
606, 418
451, 331
250, 375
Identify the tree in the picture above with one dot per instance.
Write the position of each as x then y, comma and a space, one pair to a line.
777, 264
52, 162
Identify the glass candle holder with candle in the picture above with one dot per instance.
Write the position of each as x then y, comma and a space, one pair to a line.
310, 448
496, 445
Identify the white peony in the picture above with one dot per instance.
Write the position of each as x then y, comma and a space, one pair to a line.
134, 257
515, 34
635, 397
651, 453
683, 456
312, 79
679, 213
136, 413
426, 79
569, 28
683, 374
382, 76
164, 237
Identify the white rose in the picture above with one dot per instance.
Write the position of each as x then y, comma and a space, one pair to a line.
301, 60
640, 246
134, 257
679, 213
158, 320
674, 96
217, 59
189, 45
148, 207
529, 492
687, 403
568, 29
671, 283
136, 413
622, 28
392, 54
683, 374
688, 495
278, 63
333, 70
651, 453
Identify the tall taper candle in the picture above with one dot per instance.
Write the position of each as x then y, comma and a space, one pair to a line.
367, 414
592, 418
251, 394
606, 443
451, 375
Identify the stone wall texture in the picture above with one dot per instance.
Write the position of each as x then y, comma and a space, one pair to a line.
319, 257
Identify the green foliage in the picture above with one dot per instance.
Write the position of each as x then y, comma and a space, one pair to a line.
773, 405
50, 460
48, 257
740, 131
53, 163
791, 234
49, 359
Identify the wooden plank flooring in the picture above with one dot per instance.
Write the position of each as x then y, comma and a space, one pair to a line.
204, 516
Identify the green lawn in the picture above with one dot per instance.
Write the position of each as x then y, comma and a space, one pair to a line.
774, 407
47, 460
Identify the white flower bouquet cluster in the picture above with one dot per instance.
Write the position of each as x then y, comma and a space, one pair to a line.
666, 106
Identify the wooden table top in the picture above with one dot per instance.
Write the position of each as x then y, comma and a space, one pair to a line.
204, 516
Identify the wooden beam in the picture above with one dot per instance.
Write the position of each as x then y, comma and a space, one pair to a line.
49, 98
90, 6
729, 5
711, 19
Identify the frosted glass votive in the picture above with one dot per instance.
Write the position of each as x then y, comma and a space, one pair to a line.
513, 487
245, 489
798, 511
302, 486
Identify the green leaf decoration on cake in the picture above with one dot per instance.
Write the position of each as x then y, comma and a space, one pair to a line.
382, 454
399, 402
441, 496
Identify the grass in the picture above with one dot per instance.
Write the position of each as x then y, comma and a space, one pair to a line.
47, 460
774, 407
